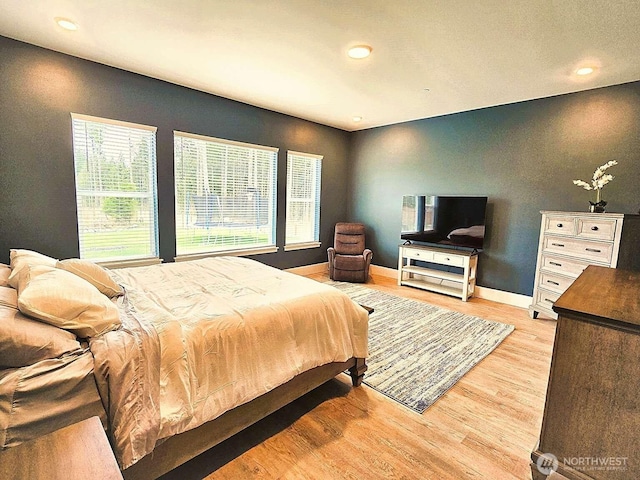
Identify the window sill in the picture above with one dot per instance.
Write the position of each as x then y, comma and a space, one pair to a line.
235, 253
302, 246
137, 262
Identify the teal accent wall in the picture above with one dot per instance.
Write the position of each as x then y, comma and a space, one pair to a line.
523, 156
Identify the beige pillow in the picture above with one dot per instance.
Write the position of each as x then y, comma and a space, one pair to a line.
92, 273
8, 297
20, 258
65, 300
24, 341
5, 271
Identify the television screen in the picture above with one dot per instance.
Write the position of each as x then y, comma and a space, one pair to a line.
452, 221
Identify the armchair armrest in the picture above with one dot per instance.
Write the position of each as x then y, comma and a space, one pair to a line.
331, 253
368, 256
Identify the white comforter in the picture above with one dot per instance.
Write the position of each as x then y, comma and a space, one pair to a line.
202, 337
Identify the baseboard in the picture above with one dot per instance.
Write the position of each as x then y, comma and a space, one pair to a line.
508, 298
384, 271
324, 267
310, 269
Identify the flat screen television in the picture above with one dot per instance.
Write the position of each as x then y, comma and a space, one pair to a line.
444, 220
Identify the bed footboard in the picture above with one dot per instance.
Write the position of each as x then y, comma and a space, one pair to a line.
183, 447
357, 371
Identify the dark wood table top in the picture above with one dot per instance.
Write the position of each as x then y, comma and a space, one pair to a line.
604, 295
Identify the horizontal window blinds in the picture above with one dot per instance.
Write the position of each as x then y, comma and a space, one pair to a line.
303, 198
115, 172
225, 194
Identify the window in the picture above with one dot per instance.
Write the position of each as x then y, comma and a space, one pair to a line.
418, 213
115, 170
225, 196
303, 200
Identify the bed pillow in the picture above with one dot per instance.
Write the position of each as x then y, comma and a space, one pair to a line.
21, 257
24, 341
5, 271
67, 301
92, 273
8, 297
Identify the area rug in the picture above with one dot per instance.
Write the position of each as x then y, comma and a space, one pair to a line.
418, 351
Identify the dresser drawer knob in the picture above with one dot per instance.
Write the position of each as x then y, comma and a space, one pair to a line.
594, 228
556, 264
553, 283
559, 225
595, 250
558, 244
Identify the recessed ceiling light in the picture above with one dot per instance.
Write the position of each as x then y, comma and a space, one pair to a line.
66, 24
357, 118
360, 51
584, 71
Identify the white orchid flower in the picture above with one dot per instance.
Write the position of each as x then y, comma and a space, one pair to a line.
582, 184
598, 180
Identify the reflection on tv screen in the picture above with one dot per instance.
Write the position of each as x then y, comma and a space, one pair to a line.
455, 221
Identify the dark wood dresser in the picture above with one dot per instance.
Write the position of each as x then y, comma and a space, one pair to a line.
591, 420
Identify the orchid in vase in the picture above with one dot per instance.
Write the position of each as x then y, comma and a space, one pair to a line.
600, 179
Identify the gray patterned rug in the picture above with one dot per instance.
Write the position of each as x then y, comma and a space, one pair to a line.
419, 351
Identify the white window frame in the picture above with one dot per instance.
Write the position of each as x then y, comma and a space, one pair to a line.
312, 222
89, 221
183, 210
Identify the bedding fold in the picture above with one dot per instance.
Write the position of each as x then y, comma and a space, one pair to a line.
127, 371
45, 396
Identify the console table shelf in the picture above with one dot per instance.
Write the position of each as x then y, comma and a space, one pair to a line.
460, 283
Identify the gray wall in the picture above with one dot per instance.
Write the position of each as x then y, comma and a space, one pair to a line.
38, 90
523, 156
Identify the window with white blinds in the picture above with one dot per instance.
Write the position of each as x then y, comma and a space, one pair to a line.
303, 200
225, 196
115, 171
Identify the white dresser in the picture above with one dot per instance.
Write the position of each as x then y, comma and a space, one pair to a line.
569, 242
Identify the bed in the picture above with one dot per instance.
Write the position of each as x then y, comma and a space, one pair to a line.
174, 358
470, 236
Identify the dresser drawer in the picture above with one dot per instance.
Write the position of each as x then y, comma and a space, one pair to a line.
444, 259
555, 283
594, 251
560, 225
416, 254
597, 229
563, 265
545, 298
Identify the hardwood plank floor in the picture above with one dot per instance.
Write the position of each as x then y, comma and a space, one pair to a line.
485, 427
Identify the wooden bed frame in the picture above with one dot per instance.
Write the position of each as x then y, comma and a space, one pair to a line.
183, 447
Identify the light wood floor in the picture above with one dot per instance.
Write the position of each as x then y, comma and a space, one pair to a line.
485, 427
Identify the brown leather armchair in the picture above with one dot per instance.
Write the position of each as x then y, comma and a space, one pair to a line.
349, 260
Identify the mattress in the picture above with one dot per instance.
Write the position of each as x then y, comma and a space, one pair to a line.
201, 337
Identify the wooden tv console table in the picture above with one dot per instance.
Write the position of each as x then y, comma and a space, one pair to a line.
460, 284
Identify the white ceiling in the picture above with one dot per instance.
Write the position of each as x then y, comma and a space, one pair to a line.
290, 55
